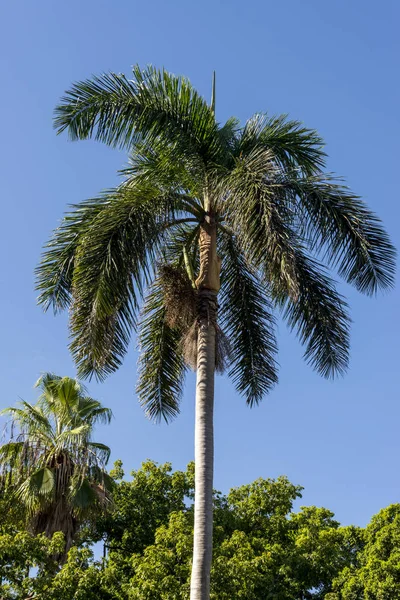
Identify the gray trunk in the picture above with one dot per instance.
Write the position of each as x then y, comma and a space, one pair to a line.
204, 462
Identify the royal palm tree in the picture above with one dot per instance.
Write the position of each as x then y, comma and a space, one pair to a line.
51, 463
221, 224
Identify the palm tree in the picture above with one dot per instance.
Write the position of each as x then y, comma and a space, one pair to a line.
221, 224
50, 463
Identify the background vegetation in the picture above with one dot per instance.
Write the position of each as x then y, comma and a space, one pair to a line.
265, 547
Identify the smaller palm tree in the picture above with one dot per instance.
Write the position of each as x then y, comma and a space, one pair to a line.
51, 464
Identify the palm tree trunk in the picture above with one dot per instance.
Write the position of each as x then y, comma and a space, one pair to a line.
204, 453
208, 287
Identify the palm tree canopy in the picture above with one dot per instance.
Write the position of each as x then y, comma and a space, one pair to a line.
279, 217
51, 462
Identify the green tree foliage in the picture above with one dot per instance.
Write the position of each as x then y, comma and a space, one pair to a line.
263, 548
29, 569
12, 513
375, 574
142, 505
19, 554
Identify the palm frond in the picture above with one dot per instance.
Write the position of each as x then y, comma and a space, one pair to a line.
292, 144
313, 305
29, 418
48, 382
353, 238
230, 134
68, 392
82, 494
40, 483
112, 260
72, 437
161, 364
264, 221
167, 167
92, 411
319, 315
182, 240
155, 104
55, 271
260, 218
248, 323
102, 451
10, 453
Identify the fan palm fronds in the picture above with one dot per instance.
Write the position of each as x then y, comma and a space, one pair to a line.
51, 463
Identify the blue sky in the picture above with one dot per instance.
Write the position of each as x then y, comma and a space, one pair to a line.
333, 65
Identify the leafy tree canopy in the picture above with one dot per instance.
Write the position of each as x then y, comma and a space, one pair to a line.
263, 548
375, 575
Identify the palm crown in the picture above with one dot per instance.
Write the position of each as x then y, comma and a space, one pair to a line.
275, 213
51, 462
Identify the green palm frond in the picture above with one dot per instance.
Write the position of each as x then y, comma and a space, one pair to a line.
112, 260
29, 417
319, 315
353, 237
73, 437
92, 411
168, 168
155, 104
48, 382
59, 400
161, 364
66, 397
68, 392
265, 225
40, 483
11, 452
43, 480
260, 219
182, 245
229, 135
248, 323
292, 144
82, 494
55, 271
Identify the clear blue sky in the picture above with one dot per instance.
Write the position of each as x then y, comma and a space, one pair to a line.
333, 65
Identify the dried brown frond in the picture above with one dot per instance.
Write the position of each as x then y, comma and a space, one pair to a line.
56, 517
